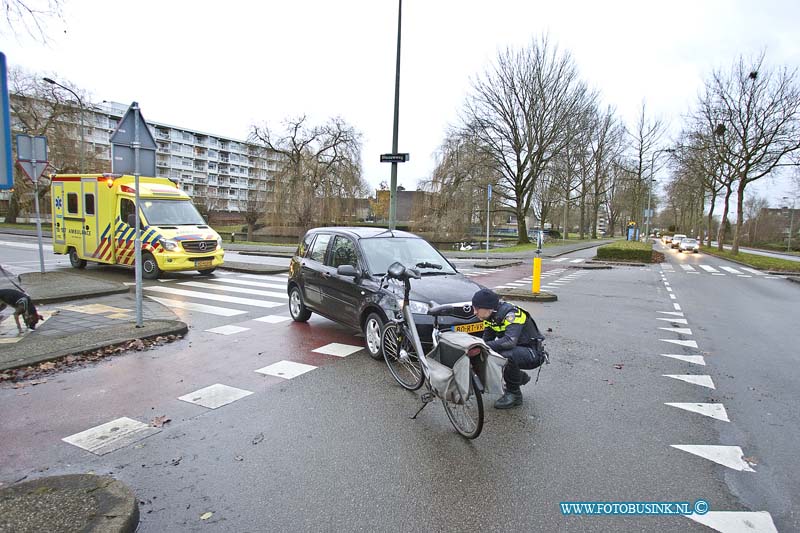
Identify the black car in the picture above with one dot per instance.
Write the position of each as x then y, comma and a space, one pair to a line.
337, 273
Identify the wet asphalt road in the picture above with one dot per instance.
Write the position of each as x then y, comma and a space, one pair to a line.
335, 449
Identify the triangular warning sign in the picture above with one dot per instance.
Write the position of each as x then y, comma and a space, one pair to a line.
126, 130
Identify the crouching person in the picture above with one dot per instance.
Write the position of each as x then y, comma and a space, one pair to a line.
511, 332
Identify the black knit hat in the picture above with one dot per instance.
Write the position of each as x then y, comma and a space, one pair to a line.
486, 299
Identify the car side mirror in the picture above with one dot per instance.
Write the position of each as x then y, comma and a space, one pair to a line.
347, 270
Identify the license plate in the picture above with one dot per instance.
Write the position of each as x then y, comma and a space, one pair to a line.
469, 328
204, 263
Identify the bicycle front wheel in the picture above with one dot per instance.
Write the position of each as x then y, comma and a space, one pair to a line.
467, 417
401, 357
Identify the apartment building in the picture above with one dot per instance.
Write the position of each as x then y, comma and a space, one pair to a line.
219, 172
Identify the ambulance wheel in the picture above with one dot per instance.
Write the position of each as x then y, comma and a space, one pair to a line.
207, 271
75, 260
150, 268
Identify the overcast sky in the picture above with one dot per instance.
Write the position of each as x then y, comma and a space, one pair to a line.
221, 66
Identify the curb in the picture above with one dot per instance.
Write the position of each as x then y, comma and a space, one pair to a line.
253, 268
266, 254
611, 264
514, 294
172, 327
78, 296
75, 502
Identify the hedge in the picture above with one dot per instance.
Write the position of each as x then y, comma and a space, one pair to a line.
627, 251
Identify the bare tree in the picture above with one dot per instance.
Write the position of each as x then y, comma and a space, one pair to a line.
29, 16
518, 109
319, 165
754, 114
646, 139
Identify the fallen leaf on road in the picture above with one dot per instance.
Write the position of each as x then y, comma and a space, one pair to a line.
258, 438
47, 366
751, 460
159, 421
206, 516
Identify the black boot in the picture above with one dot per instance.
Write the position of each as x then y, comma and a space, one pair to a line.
508, 400
525, 377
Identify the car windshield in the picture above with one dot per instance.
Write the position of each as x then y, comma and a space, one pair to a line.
380, 252
688, 241
171, 213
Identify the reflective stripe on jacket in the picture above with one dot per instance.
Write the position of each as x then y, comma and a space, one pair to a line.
509, 326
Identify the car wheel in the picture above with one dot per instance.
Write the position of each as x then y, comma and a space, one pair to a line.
373, 327
75, 260
150, 268
297, 308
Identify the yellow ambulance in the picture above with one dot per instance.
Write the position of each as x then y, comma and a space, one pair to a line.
94, 218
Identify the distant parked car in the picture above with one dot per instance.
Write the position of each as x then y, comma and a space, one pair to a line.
676, 240
666, 239
337, 273
689, 245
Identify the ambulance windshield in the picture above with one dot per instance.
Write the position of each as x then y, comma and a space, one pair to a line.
171, 213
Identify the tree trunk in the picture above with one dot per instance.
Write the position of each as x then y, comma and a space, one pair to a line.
522, 227
739, 219
710, 217
13, 207
250, 229
721, 231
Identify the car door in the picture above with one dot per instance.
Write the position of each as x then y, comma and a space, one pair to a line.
342, 294
311, 269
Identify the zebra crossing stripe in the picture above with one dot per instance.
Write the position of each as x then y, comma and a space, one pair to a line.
251, 283
577, 261
212, 296
730, 269
227, 330
264, 277
201, 308
201, 285
753, 271
559, 259
708, 268
688, 268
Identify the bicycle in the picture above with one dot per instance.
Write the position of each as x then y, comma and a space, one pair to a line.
443, 370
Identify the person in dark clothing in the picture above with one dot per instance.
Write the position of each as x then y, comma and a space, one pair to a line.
509, 331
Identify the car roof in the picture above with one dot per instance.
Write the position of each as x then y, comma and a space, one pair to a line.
361, 232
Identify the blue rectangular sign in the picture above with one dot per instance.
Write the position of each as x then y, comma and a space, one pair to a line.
6, 167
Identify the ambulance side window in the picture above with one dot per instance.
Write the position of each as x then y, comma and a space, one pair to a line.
72, 203
126, 212
88, 204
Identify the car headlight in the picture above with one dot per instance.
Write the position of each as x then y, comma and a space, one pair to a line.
418, 308
219, 242
169, 245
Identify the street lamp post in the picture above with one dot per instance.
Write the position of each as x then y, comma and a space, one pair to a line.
650, 187
80, 103
791, 225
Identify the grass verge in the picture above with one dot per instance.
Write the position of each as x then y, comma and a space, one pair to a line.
756, 261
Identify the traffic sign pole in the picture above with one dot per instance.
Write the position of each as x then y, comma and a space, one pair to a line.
32, 159
38, 220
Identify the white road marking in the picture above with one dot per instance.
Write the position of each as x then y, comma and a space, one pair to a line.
679, 331
744, 276
695, 379
752, 271
338, 349
227, 330
560, 259
201, 308
677, 307
694, 359
688, 268
717, 274
730, 269
674, 320
272, 319
215, 396
690, 344
215, 297
27, 246
111, 436
708, 268
673, 313
667, 267
286, 369
243, 290
737, 521
263, 277
669, 289
730, 456
711, 410
249, 283
577, 260
672, 296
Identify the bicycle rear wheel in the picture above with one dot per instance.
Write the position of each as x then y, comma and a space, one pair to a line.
467, 417
401, 357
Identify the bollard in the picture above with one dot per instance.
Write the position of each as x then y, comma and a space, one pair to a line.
537, 275
233, 237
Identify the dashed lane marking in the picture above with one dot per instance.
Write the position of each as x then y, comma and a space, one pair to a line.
111, 436
201, 308
730, 456
712, 410
227, 330
338, 349
286, 369
215, 297
215, 396
695, 379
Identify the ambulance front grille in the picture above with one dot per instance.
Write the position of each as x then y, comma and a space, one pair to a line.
199, 247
